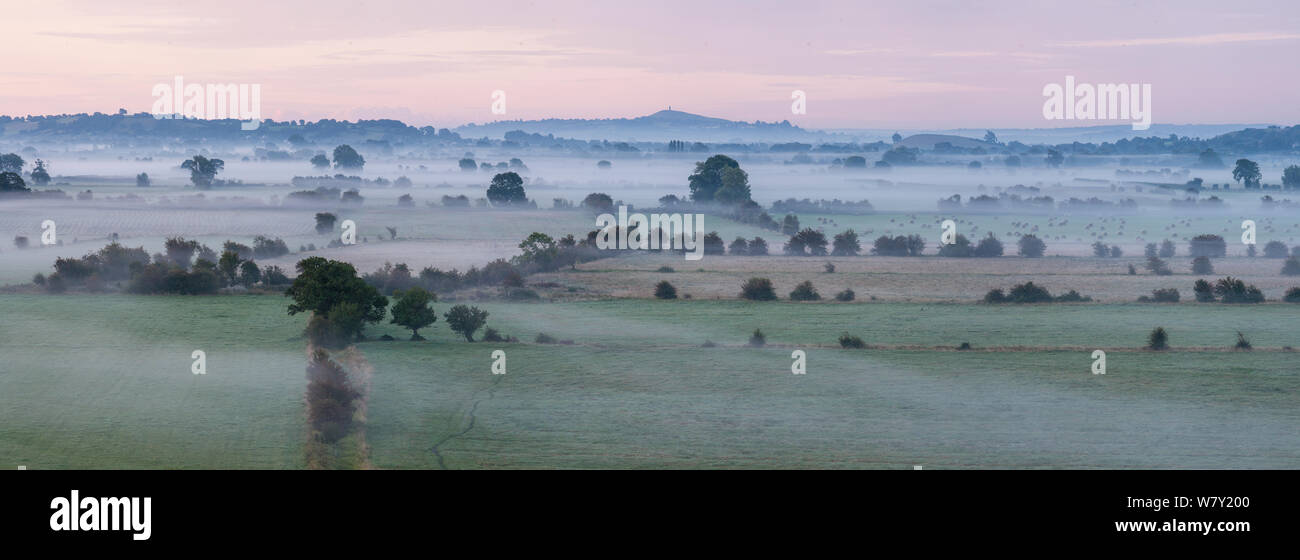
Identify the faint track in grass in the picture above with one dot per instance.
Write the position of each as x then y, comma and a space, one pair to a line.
473, 410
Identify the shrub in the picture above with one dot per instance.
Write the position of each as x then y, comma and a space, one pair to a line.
54, 284
1242, 343
708, 344
1208, 245
739, 247
1158, 340
988, 247
713, 244
1029, 293
1031, 246
38, 279
959, 248
330, 398
1275, 250
543, 338
804, 292
1132, 271
757, 340
846, 244
1292, 296
964, 346
665, 290
1233, 290
846, 295
1163, 295
1072, 297
758, 289
1202, 265
807, 241
666, 269
1158, 267
1291, 267
1204, 291
850, 341
829, 267
995, 296
757, 247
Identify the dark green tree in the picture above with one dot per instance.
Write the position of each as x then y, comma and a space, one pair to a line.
411, 310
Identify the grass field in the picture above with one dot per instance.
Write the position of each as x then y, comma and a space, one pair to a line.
105, 382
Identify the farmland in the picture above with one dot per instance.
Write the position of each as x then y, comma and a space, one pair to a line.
635, 389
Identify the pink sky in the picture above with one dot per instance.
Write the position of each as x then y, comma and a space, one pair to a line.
894, 64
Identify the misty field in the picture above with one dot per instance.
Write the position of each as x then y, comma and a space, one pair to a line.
105, 382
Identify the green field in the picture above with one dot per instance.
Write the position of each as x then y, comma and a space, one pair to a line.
105, 382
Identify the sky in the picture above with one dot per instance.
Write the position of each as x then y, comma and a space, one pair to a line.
892, 64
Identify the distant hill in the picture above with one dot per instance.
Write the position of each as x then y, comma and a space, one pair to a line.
927, 141
657, 127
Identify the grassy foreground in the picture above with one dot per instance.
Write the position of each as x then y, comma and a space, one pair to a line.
105, 382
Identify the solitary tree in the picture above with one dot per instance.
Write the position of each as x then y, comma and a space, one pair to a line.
319, 161
325, 222
413, 312
347, 158
203, 170
466, 320
708, 179
40, 175
506, 189
323, 284
1247, 172
1031, 246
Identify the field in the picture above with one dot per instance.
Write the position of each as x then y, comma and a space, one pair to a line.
105, 382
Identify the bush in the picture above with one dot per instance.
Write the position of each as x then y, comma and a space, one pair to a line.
757, 247
1292, 296
543, 338
846, 295
1202, 265
849, 341
1233, 290
1208, 245
665, 290
1029, 293
330, 398
54, 284
1164, 295
1291, 267
829, 267
807, 241
757, 340
1275, 250
758, 289
988, 247
1242, 343
995, 296
1031, 246
1072, 297
804, 292
1158, 267
666, 269
959, 248
38, 279
739, 247
1158, 340
1204, 291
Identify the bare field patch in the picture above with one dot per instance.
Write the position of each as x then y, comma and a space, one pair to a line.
905, 278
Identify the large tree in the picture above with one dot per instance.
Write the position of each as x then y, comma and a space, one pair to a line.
12, 182
506, 189
323, 285
1247, 172
203, 170
708, 179
12, 163
347, 158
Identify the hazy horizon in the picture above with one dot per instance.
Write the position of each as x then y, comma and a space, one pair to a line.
938, 66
